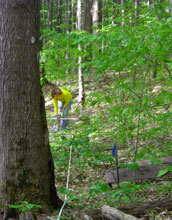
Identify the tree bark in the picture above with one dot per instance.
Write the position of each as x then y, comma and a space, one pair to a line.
26, 166
96, 14
136, 6
73, 11
88, 16
68, 15
59, 16
81, 98
50, 10
150, 2
43, 5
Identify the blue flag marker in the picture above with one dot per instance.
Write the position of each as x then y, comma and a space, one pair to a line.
114, 150
114, 154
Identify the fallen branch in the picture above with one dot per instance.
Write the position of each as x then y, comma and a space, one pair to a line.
115, 214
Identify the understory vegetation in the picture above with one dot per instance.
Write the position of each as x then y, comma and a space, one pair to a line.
127, 72
105, 121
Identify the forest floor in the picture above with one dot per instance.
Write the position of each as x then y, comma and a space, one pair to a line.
92, 156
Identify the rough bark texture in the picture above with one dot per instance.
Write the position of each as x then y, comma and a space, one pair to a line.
26, 166
88, 16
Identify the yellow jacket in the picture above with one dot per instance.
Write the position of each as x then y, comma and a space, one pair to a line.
65, 97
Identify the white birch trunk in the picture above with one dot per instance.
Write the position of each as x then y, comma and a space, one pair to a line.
80, 74
95, 16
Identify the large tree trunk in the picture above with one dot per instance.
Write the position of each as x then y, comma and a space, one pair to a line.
88, 16
96, 14
26, 166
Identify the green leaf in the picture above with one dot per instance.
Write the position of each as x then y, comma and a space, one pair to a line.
132, 166
154, 160
14, 206
169, 19
108, 99
125, 198
63, 191
164, 171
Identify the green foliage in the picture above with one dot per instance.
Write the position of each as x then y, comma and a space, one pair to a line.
132, 104
132, 166
164, 171
25, 206
98, 188
126, 190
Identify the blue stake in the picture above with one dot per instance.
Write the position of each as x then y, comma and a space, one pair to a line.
114, 154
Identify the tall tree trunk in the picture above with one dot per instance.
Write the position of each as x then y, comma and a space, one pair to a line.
68, 21
81, 98
150, 2
88, 16
43, 4
68, 15
73, 10
26, 166
96, 14
50, 11
59, 16
136, 6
